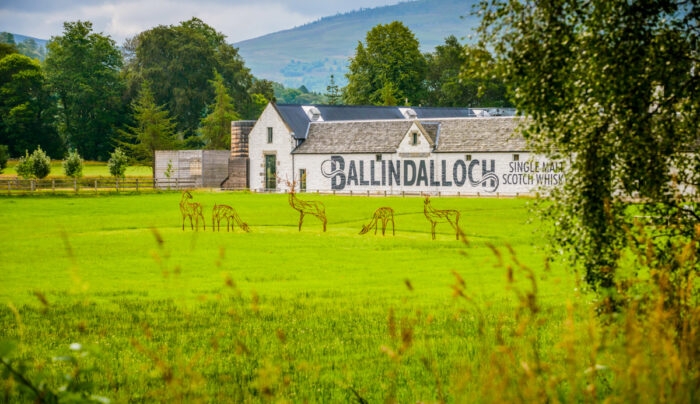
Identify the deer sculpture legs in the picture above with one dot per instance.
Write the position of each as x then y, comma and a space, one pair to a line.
384, 214
221, 212
313, 208
436, 216
191, 210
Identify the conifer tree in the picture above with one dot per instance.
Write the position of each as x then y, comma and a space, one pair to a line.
216, 127
333, 92
154, 129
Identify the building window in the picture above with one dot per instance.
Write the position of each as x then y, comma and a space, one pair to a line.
468, 157
269, 135
415, 139
516, 157
302, 180
378, 157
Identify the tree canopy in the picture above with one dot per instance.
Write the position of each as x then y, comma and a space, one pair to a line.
26, 108
611, 87
216, 126
83, 70
391, 59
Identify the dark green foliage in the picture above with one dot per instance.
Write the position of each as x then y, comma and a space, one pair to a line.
179, 61
4, 156
612, 87
154, 129
117, 163
389, 59
216, 127
26, 107
82, 69
446, 87
73, 165
7, 38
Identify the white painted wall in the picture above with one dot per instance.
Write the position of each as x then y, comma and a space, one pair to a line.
510, 177
282, 145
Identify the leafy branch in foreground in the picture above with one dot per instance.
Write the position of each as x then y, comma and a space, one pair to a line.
612, 88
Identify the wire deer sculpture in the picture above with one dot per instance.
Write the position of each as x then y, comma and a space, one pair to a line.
385, 214
191, 209
221, 212
435, 216
313, 208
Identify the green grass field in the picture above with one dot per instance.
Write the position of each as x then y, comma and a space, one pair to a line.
276, 313
90, 169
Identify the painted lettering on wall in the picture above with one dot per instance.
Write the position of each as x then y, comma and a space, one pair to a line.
479, 174
535, 173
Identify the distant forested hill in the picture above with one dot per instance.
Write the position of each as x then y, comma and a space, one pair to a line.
308, 54
26, 45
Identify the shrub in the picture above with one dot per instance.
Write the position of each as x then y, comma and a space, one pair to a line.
24, 166
73, 165
118, 163
40, 163
4, 156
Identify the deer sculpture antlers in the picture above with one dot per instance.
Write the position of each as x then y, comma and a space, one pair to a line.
435, 216
384, 214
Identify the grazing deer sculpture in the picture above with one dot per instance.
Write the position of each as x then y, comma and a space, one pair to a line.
314, 208
221, 212
191, 209
435, 216
384, 214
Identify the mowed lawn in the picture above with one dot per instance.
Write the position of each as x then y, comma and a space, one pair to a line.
234, 316
90, 169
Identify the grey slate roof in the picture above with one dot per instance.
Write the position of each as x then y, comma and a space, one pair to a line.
298, 121
496, 134
354, 137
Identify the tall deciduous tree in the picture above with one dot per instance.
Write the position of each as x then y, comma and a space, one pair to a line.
612, 87
179, 61
216, 127
26, 108
390, 58
154, 129
82, 69
446, 85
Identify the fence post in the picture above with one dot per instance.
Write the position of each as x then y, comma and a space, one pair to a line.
9, 187
137, 185
403, 194
368, 192
385, 193
334, 192
351, 192
95, 187
75, 184
33, 185
53, 185
177, 185
117, 184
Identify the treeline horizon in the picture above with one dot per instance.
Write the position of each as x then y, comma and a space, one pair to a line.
85, 95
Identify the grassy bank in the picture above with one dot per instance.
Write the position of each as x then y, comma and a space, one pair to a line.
90, 169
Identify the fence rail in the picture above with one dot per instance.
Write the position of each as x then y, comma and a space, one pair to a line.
387, 193
88, 184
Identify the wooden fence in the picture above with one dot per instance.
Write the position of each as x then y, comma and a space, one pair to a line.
88, 184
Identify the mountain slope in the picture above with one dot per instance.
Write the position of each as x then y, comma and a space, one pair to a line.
309, 54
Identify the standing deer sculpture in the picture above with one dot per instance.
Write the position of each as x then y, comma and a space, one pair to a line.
221, 212
435, 216
191, 209
314, 208
384, 214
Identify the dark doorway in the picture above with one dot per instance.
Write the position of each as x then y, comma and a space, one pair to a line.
270, 172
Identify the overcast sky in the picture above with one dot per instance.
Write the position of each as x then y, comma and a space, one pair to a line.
237, 19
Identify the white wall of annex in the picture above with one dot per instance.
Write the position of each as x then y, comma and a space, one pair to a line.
282, 146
